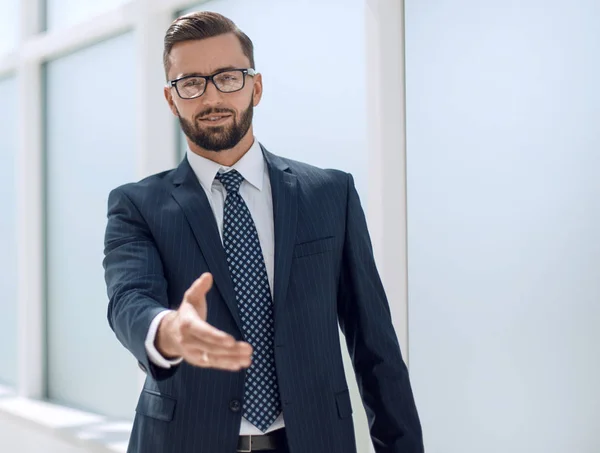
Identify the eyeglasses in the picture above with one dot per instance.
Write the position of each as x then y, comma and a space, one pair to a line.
227, 81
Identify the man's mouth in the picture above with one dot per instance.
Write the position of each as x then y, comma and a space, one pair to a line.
216, 118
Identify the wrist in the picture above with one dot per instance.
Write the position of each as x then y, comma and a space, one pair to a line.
165, 341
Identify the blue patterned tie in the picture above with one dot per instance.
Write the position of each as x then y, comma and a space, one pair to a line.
251, 285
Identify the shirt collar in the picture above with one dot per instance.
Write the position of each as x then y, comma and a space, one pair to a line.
251, 166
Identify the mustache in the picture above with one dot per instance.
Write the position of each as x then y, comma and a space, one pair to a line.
213, 111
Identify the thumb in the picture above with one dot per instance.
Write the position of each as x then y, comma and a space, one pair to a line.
196, 294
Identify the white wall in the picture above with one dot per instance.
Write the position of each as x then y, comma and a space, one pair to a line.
311, 54
503, 148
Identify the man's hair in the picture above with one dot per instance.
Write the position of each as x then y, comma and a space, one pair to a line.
203, 25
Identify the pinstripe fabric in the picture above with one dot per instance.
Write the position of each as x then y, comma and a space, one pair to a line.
161, 235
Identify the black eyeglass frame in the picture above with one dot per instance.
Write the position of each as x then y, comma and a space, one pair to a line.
246, 72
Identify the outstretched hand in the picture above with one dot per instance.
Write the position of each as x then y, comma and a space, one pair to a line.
185, 333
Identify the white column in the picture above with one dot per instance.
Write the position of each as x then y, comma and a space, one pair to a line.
156, 127
30, 230
387, 153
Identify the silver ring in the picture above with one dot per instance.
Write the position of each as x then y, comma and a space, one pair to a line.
205, 357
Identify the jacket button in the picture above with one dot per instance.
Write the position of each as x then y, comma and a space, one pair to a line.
235, 406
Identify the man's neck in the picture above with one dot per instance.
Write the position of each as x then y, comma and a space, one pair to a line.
227, 157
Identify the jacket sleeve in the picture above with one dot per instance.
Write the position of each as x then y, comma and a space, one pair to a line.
366, 322
135, 281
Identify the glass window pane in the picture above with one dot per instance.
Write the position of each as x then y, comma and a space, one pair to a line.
9, 21
8, 232
90, 150
64, 13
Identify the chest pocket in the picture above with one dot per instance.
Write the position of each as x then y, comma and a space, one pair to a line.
314, 247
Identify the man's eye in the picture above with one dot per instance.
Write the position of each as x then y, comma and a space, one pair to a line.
228, 78
192, 82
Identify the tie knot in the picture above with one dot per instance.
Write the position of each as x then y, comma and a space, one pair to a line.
232, 180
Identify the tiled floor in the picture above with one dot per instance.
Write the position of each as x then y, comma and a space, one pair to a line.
18, 437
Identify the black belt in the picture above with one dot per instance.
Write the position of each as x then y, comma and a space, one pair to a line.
270, 441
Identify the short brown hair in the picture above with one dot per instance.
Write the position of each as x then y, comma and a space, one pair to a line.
203, 25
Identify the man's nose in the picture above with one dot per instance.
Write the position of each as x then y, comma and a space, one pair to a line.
211, 95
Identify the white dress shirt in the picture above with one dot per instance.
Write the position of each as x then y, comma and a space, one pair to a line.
256, 192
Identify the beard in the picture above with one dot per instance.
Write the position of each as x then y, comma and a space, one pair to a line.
218, 138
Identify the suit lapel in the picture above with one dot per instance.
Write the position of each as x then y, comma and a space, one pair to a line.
285, 215
191, 197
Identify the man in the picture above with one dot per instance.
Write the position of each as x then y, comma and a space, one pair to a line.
253, 362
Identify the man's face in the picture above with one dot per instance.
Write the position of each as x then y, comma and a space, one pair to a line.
234, 111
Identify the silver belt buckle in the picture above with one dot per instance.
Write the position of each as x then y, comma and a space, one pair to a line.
249, 450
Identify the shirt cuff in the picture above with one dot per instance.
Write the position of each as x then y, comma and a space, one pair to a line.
156, 357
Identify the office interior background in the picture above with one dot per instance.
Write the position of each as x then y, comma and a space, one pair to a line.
472, 129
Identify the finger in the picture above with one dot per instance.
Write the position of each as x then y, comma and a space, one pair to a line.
196, 294
219, 363
199, 335
194, 329
215, 338
237, 353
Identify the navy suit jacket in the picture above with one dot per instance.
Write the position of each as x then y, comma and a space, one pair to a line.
162, 234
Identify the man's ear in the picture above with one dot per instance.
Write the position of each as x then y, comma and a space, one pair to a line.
258, 90
169, 97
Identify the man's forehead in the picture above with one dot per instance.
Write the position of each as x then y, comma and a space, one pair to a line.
207, 56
